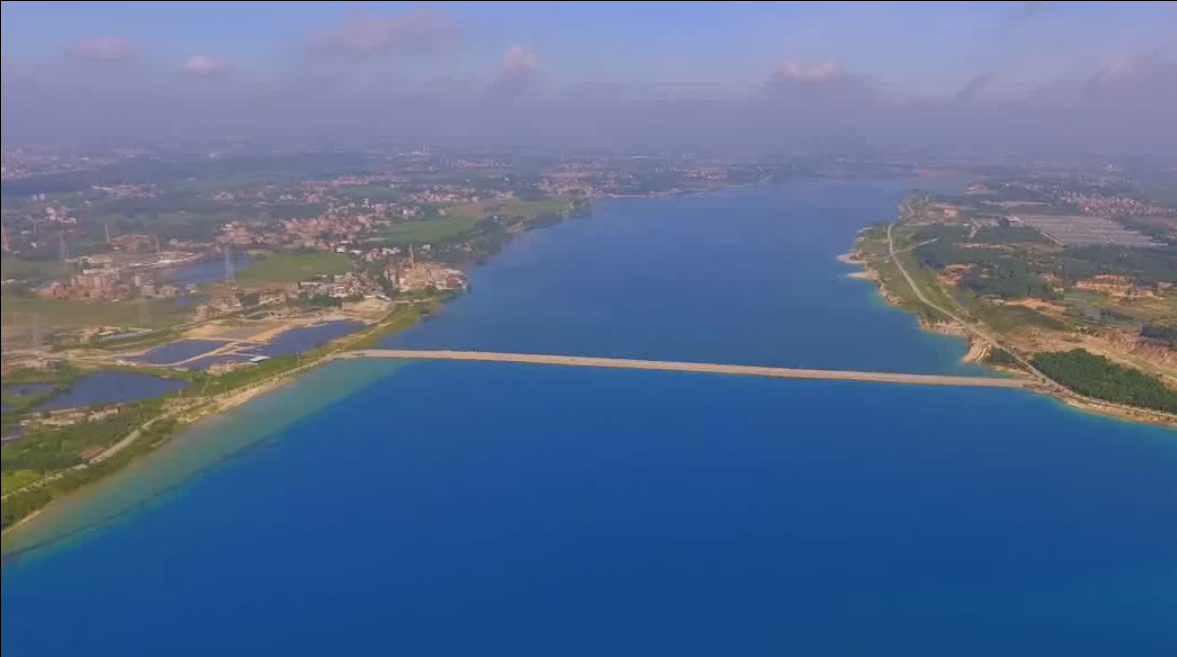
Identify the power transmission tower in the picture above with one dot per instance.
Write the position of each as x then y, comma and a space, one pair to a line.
230, 274
35, 333
64, 253
144, 312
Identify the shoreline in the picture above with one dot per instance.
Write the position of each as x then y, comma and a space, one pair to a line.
389, 325
189, 418
978, 351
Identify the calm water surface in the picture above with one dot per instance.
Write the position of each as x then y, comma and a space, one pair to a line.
204, 271
179, 350
492, 508
305, 338
111, 388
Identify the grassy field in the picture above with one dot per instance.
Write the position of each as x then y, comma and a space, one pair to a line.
1004, 319
293, 267
60, 314
36, 270
432, 230
400, 320
461, 219
511, 207
14, 479
874, 246
137, 342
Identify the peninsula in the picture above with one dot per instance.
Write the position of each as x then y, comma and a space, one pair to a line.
1081, 305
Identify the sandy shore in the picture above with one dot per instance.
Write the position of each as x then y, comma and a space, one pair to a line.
856, 259
851, 258
979, 350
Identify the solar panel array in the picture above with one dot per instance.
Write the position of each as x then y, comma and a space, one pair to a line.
1086, 231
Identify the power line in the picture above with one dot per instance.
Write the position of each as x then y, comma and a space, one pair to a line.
144, 312
35, 332
230, 273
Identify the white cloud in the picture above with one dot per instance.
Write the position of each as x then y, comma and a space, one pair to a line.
103, 50
419, 32
205, 66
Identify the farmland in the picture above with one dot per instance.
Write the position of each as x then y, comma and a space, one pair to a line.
431, 230
294, 267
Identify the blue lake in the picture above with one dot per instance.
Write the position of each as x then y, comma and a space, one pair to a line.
111, 388
305, 338
443, 508
204, 271
177, 351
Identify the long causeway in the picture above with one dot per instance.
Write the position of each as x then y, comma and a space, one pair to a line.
673, 366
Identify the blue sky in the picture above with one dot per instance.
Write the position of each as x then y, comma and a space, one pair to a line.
922, 47
1048, 72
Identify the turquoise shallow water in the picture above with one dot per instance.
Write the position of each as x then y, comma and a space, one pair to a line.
488, 508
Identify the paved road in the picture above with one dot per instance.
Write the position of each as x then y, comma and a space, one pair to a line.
968, 326
1048, 382
714, 368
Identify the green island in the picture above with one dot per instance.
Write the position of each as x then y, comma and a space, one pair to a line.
1082, 305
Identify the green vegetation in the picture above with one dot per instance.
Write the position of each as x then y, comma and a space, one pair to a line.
11, 480
1001, 357
951, 233
1145, 266
431, 230
31, 270
64, 315
58, 379
1008, 318
59, 373
56, 448
292, 267
1160, 332
318, 301
1010, 235
1007, 278
873, 244
137, 341
17, 405
942, 253
1157, 186
400, 320
512, 207
1096, 376
21, 505
483, 226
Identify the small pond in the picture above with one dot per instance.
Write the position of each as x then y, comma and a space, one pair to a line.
111, 388
308, 337
177, 351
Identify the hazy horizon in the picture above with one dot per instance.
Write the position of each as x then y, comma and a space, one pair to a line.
1020, 77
